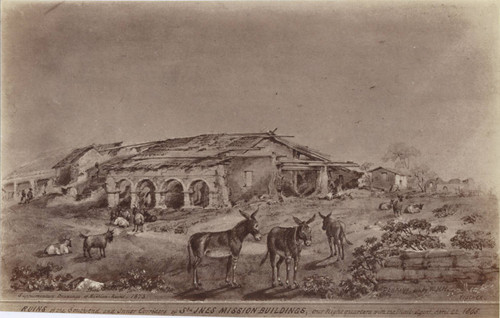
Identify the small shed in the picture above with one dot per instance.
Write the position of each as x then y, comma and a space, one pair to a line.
388, 179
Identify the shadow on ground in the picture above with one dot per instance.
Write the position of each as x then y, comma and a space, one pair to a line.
322, 263
273, 293
200, 294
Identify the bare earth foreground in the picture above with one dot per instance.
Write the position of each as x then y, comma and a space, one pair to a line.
28, 229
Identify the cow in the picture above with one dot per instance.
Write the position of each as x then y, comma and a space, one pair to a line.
285, 243
59, 249
121, 222
335, 233
386, 205
414, 208
397, 205
99, 241
221, 244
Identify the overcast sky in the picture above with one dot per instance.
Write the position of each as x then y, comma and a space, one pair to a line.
345, 78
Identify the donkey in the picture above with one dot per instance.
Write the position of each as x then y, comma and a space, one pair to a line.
285, 242
97, 241
220, 245
335, 233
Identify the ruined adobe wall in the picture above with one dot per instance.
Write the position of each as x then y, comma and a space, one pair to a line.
262, 171
448, 266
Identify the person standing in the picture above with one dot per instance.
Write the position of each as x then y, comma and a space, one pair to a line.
23, 196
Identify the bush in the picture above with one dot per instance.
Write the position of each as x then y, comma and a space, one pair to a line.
471, 219
139, 280
446, 210
321, 286
41, 278
368, 258
472, 240
414, 234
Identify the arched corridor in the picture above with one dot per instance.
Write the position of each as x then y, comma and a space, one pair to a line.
199, 193
146, 194
174, 194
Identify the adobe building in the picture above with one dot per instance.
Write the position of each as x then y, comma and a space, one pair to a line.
217, 170
388, 179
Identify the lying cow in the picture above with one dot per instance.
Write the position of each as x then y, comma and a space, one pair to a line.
386, 205
121, 222
413, 208
59, 249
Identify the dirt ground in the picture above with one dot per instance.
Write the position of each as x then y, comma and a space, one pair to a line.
28, 229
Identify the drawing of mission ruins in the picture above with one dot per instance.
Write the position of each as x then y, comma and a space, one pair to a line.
206, 171
363, 230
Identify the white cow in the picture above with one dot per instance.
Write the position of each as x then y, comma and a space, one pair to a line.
121, 222
59, 249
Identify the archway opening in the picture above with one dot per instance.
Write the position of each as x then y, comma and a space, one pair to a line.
174, 194
146, 194
199, 193
125, 194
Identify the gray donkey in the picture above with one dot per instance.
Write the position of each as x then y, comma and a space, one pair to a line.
221, 245
285, 242
335, 232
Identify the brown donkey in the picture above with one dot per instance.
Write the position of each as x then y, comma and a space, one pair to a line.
335, 232
286, 244
220, 245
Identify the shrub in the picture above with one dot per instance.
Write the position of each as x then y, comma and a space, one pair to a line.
139, 280
368, 258
414, 234
471, 219
40, 278
472, 240
321, 286
446, 210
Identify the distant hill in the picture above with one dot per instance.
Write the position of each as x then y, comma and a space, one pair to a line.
45, 161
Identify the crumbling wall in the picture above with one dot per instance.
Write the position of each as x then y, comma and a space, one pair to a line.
261, 171
457, 265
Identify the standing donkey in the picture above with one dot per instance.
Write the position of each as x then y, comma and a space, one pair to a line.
220, 245
285, 242
335, 232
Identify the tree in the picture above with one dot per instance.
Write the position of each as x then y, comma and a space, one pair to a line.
366, 178
400, 153
421, 174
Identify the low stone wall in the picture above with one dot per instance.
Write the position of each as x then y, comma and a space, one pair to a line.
456, 265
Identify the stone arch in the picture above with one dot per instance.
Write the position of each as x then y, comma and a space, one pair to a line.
199, 191
124, 187
145, 190
173, 190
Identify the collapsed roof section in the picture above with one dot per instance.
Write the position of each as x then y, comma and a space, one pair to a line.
213, 149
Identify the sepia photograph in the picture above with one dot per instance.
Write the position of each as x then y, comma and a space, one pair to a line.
250, 158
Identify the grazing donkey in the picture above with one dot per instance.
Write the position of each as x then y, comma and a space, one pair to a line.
335, 232
221, 244
285, 242
97, 241
59, 249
